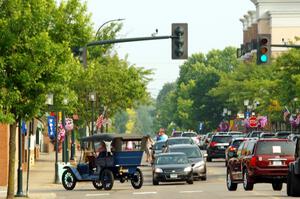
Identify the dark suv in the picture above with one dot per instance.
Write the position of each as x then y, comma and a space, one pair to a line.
260, 161
217, 146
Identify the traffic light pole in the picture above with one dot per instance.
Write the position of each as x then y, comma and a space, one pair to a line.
285, 46
103, 42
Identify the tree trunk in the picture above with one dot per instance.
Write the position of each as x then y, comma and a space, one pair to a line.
12, 157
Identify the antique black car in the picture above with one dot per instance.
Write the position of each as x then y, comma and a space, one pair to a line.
107, 157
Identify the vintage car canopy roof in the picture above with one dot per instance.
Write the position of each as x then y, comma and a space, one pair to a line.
111, 136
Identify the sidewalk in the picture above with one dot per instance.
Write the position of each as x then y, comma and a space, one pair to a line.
41, 177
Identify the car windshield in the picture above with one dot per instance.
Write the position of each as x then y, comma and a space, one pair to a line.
236, 143
191, 152
222, 139
171, 159
179, 141
177, 134
189, 135
158, 145
255, 134
275, 147
267, 135
283, 134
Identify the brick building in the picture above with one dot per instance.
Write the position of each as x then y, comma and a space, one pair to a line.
4, 143
38, 141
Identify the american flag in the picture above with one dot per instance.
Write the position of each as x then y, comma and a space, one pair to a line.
99, 121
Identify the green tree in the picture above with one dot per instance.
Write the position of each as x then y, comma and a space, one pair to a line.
165, 106
35, 59
144, 120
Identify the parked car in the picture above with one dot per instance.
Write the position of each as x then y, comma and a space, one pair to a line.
195, 156
282, 134
176, 134
177, 140
232, 148
260, 161
192, 135
157, 149
170, 167
217, 146
293, 179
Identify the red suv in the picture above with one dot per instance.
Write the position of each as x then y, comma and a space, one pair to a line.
260, 161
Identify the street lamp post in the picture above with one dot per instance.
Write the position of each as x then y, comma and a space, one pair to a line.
20, 170
65, 144
246, 104
50, 103
107, 23
92, 98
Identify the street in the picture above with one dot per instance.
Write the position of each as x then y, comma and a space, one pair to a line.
214, 187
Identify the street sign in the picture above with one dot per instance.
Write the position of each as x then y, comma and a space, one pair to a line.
253, 122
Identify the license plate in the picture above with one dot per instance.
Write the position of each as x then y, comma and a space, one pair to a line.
277, 163
173, 175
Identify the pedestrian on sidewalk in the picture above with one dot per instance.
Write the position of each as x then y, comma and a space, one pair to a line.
149, 144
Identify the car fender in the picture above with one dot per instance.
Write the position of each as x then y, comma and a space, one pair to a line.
74, 171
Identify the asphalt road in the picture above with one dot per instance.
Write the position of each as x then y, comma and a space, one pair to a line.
213, 188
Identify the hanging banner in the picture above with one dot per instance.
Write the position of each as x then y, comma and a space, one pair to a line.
69, 125
24, 128
51, 127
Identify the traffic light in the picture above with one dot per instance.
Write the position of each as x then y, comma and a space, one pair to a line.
81, 53
263, 49
180, 41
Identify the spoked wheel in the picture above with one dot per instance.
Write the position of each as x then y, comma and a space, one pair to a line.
97, 184
107, 179
137, 179
68, 180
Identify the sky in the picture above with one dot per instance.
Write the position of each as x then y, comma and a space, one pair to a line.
212, 24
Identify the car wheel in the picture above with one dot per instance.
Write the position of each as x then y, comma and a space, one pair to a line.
288, 184
295, 183
277, 186
107, 179
209, 159
68, 180
248, 186
137, 179
231, 186
203, 178
97, 184
155, 181
190, 181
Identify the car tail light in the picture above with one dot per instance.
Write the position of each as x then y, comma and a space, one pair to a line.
213, 144
253, 161
232, 149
